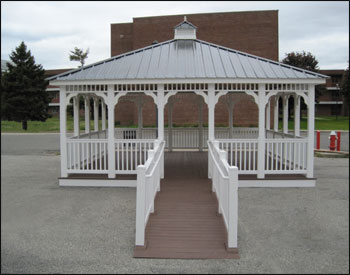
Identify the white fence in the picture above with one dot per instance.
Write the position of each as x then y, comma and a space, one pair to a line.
90, 156
225, 185
242, 153
92, 135
148, 184
131, 153
282, 156
285, 156
87, 156
186, 137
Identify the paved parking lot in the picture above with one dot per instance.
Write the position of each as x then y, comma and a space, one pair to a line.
50, 229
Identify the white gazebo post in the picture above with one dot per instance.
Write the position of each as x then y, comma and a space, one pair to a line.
63, 132
268, 112
261, 138
310, 129
296, 115
139, 115
160, 106
285, 114
111, 146
275, 115
103, 109
95, 114
200, 126
230, 115
76, 115
211, 112
87, 114
170, 124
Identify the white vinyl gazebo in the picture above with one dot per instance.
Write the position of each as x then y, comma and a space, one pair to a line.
261, 157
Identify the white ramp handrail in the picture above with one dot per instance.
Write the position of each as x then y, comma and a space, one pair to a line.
148, 184
225, 185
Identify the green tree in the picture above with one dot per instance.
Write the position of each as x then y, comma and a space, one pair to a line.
305, 61
79, 55
23, 89
345, 89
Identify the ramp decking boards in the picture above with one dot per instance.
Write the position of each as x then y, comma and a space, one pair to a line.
185, 223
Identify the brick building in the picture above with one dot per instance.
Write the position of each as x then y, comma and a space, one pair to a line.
331, 103
54, 105
254, 32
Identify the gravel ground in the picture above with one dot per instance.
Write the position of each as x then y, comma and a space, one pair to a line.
50, 229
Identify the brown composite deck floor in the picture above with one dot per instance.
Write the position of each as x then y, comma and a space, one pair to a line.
185, 223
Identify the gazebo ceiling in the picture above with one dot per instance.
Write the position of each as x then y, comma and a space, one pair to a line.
186, 59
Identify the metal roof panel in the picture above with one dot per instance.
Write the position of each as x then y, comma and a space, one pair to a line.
186, 59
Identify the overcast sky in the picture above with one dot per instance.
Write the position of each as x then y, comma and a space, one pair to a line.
52, 29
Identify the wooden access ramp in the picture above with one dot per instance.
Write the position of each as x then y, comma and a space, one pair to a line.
186, 223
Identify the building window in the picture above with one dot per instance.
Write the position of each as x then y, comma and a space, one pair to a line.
335, 80
335, 109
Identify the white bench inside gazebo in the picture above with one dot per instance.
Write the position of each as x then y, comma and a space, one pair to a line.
262, 157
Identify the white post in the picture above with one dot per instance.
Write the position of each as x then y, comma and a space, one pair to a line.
160, 106
95, 114
296, 115
200, 128
76, 115
275, 115
268, 112
285, 114
103, 106
140, 205
311, 130
139, 116
233, 207
111, 146
230, 116
87, 114
210, 165
211, 112
63, 132
261, 138
170, 124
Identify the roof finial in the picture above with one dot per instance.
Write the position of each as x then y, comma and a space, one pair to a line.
185, 18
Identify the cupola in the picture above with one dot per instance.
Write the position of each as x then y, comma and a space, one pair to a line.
185, 30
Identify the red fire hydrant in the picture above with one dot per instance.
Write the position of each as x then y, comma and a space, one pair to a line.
332, 138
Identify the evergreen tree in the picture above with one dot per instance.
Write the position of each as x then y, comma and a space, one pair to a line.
23, 89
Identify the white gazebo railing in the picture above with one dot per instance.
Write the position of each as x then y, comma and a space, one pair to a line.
131, 153
148, 184
241, 153
87, 156
225, 185
286, 156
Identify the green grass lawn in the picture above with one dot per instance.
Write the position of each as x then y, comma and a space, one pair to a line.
53, 125
321, 123
50, 125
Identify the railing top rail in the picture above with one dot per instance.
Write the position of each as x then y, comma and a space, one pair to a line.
286, 140
153, 161
237, 140
133, 140
87, 140
217, 160
87, 134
